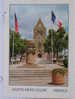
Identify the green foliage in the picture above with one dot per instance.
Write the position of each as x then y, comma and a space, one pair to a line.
47, 44
60, 41
65, 62
19, 44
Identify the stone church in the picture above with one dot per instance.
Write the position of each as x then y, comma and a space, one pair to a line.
39, 35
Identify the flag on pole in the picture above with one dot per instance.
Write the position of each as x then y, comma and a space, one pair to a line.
59, 24
16, 23
53, 17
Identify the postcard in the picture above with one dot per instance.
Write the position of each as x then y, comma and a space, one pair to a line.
37, 48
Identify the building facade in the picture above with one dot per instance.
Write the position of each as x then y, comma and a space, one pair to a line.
39, 35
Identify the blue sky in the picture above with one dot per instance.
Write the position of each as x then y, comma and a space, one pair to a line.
28, 16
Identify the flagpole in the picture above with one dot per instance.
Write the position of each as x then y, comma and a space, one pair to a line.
52, 48
16, 29
13, 48
52, 43
53, 18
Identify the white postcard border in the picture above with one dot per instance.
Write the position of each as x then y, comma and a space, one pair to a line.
50, 90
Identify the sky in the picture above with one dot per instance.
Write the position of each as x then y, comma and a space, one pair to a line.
28, 15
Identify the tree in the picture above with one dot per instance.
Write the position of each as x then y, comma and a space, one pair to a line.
48, 42
19, 44
60, 41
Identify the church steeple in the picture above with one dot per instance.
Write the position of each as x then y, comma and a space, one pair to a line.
39, 24
39, 34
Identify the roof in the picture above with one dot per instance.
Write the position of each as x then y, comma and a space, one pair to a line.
38, 23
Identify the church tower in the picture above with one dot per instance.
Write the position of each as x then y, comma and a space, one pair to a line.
39, 35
